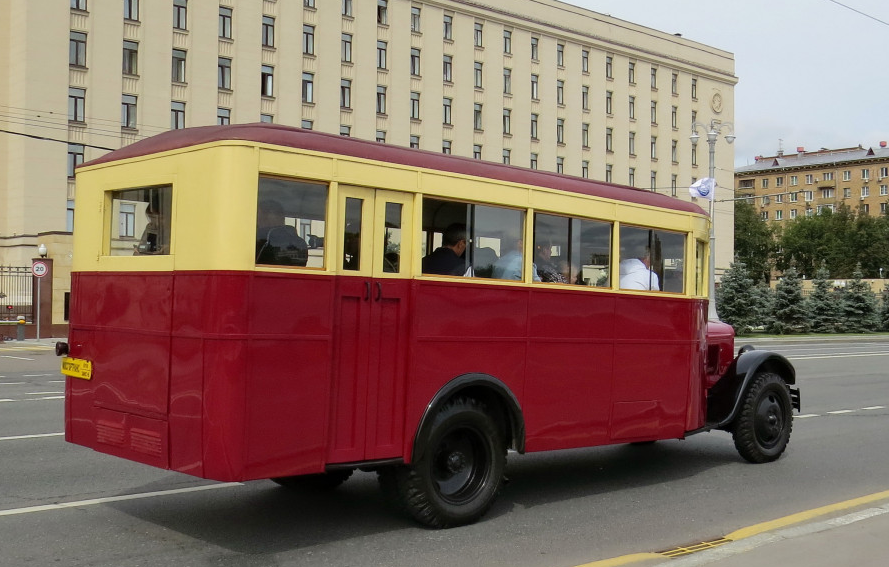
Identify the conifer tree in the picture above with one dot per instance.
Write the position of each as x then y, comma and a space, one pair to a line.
764, 302
859, 305
735, 303
823, 304
790, 309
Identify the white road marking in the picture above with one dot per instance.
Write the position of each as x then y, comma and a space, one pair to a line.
37, 375
874, 408
34, 436
16, 357
843, 355
42, 393
840, 411
94, 501
13, 383
804, 416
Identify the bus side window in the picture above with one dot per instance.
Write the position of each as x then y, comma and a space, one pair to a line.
571, 250
671, 256
144, 212
652, 259
290, 223
551, 238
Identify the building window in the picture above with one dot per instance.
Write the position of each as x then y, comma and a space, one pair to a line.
654, 147
308, 87
609, 67
478, 75
507, 81
180, 14
346, 48
476, 116
674, 151
131, 10
126, 220
476, 151
654, 112
609, 173
560, 92
694, 155
78, 4
560, 130
309, 3
266, 118
448, 27
268, 31
75, 157
585, 169
865, 192
507, 121
309, 40
307, 124
673, 184
381, 54
381, 99
884, 172
130, 58
446, 146
224, 79
507, 42
223, 116
825, 194
632, 143
479, 35
674, 117
415, 19
69, 224
267, 81
631, 177
345, 93
383, 12
585, 135
381, 136
415, 142
178, 66
654, 78
585, 97
535, 89
533, 163
560, 165
534, 120
177, 115
347, 8
345, 130
507, 153
765, 183
128, 111
884, 190
446, 110
632, 108
415, 62
609, 139
77, 49
560, 54
694, 89
674, 84
415, 105
535, 48
76, 105
808, 196
585, 61
792, 214
225, 22
865, 174
631, 73
794, 180
447, 68
652, 181
609, 105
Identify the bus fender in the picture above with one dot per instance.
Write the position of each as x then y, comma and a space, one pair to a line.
496, 395
726, 396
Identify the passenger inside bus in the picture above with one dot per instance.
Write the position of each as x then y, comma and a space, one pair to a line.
509, 266
547, 268
636, 272
449, 258
277, 243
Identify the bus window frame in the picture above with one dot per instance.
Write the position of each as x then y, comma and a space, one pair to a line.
687, 236
164, 261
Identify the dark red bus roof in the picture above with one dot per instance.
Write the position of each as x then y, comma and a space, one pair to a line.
291, 137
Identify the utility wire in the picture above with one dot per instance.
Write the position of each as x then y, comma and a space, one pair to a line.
54, 140
866, 15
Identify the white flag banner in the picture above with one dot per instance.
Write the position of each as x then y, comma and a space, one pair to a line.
703, 188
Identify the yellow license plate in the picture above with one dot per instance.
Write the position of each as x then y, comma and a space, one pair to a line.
77, 367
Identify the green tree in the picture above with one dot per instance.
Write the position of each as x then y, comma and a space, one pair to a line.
790, 309
764, 301
735, 302
754, 242
884, 308
823, 305
859, 305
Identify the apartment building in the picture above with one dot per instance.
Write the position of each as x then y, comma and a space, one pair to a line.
786, 186
534, 83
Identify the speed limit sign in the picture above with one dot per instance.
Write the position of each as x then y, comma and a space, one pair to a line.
39, 269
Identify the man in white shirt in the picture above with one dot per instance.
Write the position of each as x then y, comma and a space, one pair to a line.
636, 273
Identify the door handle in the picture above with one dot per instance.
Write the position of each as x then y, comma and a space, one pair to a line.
366, 291
379, 291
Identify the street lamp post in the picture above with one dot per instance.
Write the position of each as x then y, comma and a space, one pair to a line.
712, 130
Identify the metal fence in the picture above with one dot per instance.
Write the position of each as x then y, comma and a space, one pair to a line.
16, 289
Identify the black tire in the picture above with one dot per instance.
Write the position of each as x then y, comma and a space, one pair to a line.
458, 477
763, 425
321, 481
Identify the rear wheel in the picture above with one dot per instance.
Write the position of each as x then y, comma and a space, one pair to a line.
762, 427
461, 471
320, 481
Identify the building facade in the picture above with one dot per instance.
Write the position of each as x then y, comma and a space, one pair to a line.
540, 84
787, 186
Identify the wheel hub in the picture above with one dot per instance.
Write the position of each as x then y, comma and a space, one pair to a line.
456, 462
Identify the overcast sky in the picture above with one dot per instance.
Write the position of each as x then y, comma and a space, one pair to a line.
812, 73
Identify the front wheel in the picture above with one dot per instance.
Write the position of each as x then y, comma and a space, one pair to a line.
461, 471
762, 427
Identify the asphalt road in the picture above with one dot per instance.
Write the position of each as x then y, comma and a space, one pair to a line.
66, 505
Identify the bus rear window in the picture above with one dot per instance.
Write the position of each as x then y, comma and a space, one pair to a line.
290, 223
140, 221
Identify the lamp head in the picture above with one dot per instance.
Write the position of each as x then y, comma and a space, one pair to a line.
730, 138
41, 250
694, 138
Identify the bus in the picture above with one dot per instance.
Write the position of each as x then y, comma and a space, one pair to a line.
250, 302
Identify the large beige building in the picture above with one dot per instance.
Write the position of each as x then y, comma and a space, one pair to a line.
536, 83
786, 186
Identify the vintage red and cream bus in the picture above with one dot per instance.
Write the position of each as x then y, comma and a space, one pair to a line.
250, 302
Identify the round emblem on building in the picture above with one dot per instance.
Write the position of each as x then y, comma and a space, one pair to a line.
716, 103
